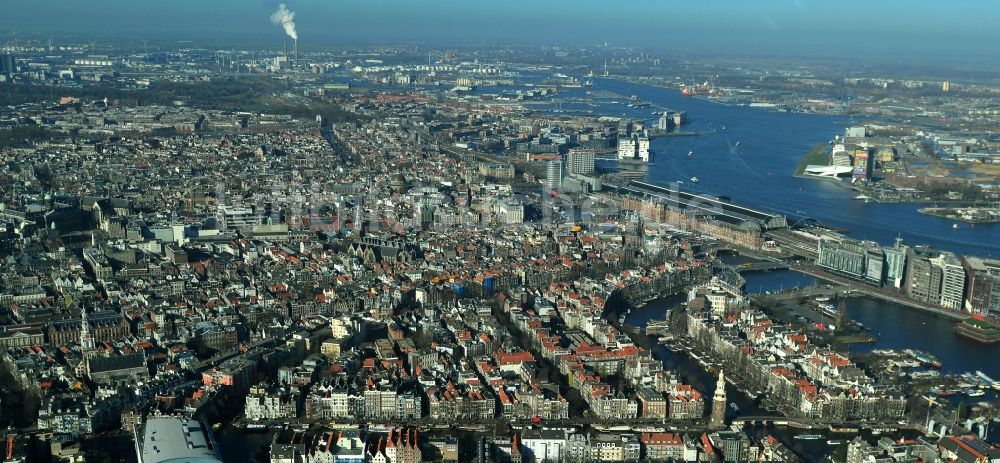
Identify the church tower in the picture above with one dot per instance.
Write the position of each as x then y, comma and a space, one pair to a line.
86, 340
718, 418
87, 345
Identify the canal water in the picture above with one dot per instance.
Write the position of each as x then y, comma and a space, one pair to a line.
238, 446
898, 327
750, 155
692, 373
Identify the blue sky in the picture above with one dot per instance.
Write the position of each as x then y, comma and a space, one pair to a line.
889, 27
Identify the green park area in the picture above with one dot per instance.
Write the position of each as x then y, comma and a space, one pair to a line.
815, 156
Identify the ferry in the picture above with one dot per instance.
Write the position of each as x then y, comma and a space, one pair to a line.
695, 180
808, 437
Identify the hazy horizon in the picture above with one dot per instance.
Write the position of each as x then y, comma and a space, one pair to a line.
910, 31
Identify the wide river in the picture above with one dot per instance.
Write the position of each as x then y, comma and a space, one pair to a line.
750, 155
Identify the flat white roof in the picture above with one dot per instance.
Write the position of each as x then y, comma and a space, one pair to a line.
176, 440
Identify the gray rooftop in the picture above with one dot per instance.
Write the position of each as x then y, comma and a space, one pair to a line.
176, 440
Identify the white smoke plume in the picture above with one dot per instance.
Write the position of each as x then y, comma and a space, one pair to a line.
286, 19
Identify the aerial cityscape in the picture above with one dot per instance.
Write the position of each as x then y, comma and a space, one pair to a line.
403, 232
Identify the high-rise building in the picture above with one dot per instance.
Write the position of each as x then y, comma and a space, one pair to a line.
923, 278
874, 264
718, 418
982, 285
8, 65
643, 153
627, 148
895, 264
952, 281
665, 122
580, 161
862, 165
554, 175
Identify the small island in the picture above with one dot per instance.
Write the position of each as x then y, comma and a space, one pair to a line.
965, 214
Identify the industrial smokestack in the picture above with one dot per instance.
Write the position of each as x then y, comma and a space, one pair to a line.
295, 51
286, 19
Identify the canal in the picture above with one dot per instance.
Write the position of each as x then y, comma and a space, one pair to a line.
898, 327
690, 372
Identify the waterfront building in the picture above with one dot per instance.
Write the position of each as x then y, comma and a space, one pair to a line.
265, 404
923, 279
862, 165
982, 294
967, 449
665, 121
952, 281
860, 451
663, 446
686, 403
614, 447
859, 260
652, 405
874, 264
895, 264
643, 153
543, 444
856, 132
627, 148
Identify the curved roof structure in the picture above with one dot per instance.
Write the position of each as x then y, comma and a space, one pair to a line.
827, 171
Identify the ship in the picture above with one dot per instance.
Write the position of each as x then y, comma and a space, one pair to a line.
834, 442
255, 427
687, 92
988, 380
923, 357
695, 180
808, 437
